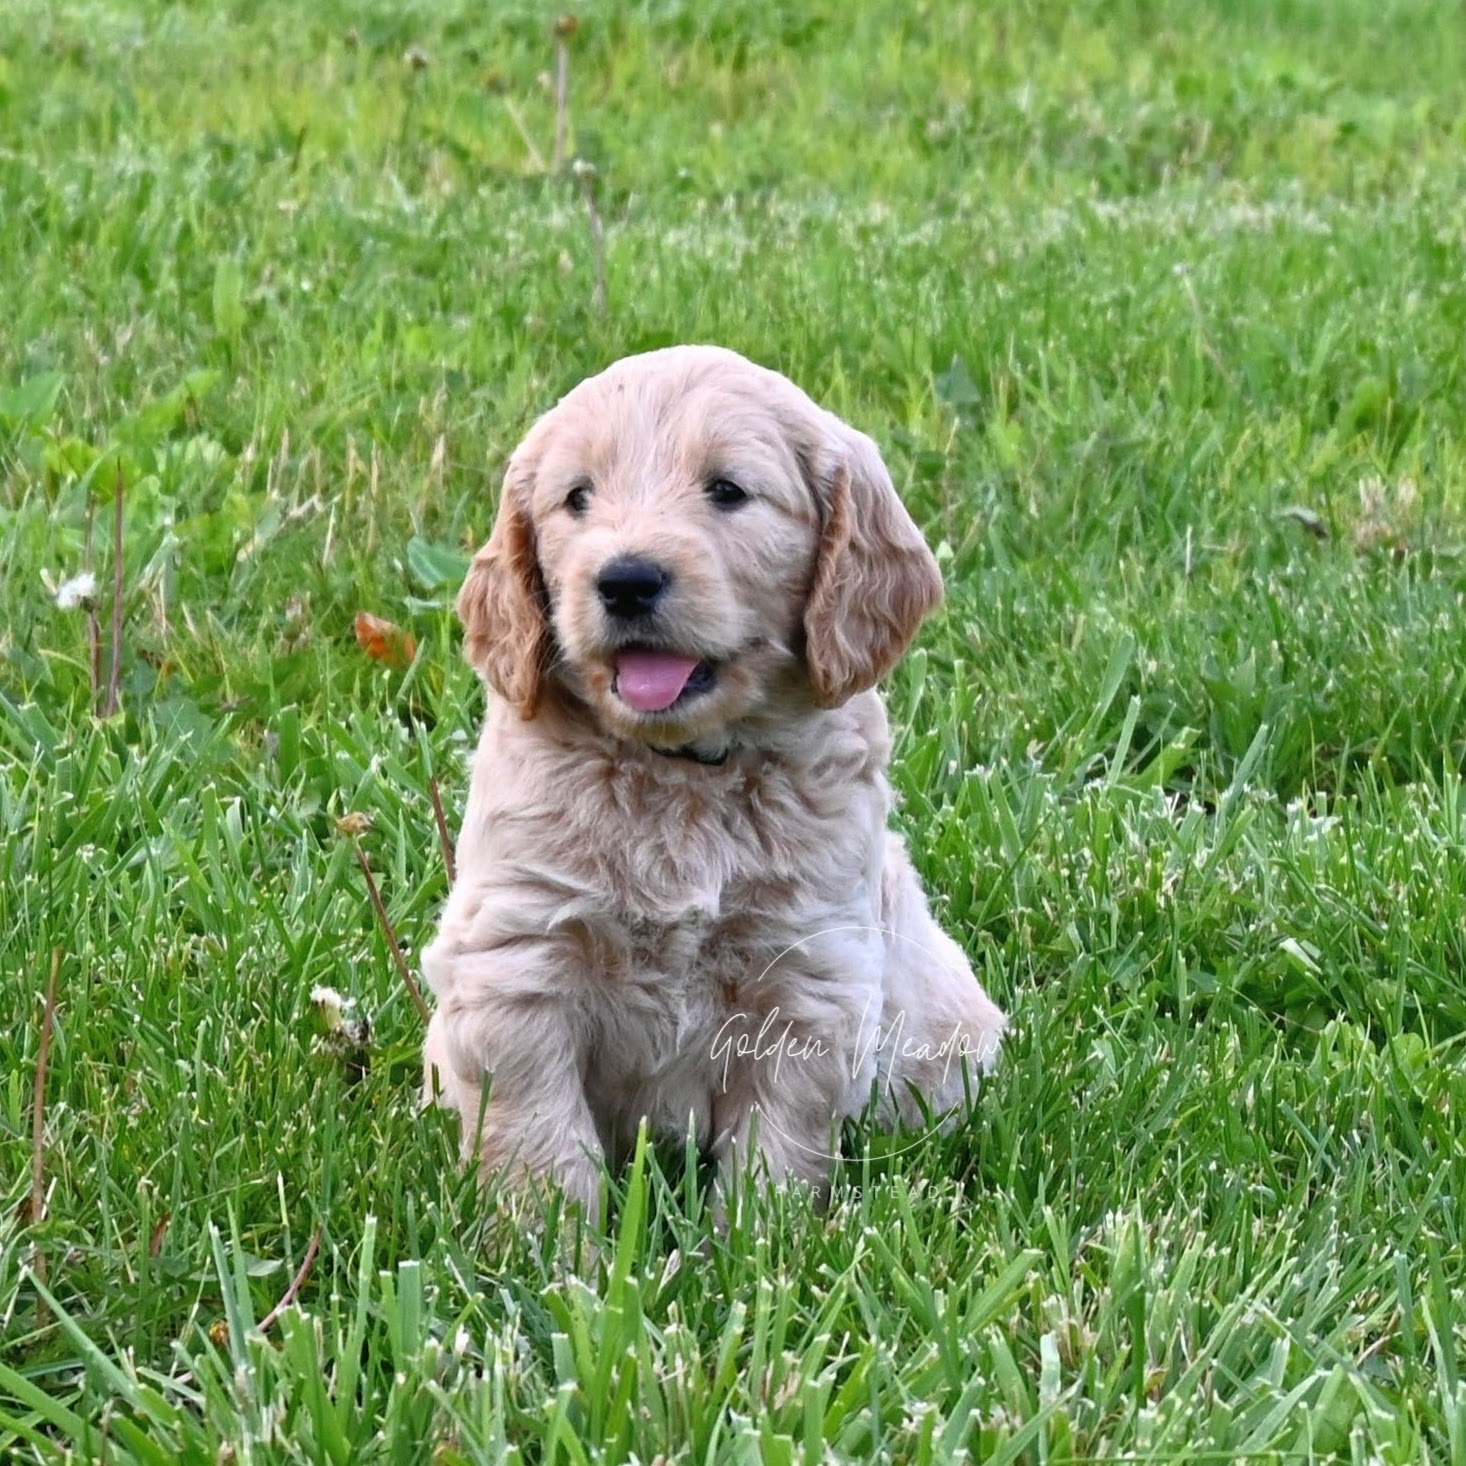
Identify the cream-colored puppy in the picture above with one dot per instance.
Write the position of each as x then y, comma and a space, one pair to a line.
677, 896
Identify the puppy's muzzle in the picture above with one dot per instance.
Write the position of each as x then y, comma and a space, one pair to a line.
630, 587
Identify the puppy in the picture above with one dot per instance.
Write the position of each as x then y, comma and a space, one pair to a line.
677, 896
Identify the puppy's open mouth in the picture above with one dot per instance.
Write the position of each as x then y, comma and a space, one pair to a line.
652, 681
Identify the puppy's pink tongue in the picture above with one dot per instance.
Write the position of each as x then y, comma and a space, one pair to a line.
652, 681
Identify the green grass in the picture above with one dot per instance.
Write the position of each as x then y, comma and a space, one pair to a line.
1158, 311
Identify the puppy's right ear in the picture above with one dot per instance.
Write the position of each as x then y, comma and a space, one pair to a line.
502, 604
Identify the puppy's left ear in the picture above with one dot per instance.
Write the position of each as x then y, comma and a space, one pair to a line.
875, 580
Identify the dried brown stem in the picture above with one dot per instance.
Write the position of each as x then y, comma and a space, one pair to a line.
444, 838
114, 680
94, 627
386, 924
296, 1283
37, 1208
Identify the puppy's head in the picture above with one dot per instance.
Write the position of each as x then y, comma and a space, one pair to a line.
687, 542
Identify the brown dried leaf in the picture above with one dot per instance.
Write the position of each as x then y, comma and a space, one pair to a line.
384, 640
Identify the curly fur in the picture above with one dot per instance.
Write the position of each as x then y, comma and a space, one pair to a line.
728, 939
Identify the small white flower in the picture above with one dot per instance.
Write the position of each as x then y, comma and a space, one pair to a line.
79, 590
333, 1003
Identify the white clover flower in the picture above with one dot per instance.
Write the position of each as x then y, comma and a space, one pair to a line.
74, 593
333, 1005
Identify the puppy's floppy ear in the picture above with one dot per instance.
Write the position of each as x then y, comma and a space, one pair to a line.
875, 580
502, 604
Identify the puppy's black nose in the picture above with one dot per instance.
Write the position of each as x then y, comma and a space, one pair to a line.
631, 587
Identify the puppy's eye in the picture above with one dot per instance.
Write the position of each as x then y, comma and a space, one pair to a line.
726, 494
577, 501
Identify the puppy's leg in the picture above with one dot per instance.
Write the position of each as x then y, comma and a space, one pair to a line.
791, 1062
939, 1030
779, 1129
527, 1048
440, 1084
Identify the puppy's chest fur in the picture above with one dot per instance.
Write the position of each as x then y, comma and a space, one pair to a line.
672, 882
680, 862
699, 925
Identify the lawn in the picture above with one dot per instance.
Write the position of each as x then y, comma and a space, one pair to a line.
1158, 310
